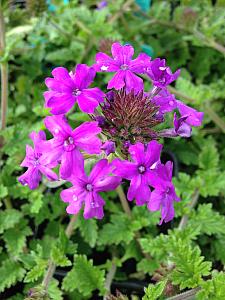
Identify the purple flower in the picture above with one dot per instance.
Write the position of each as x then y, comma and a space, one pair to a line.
124, 66
160, 74
65, 145
164, 195
85, 190
194, 117
67, 88
165, 101
102, 4
109, 147
36, 163
181, 128
140, 170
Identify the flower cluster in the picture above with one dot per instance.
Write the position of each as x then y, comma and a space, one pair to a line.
128, 119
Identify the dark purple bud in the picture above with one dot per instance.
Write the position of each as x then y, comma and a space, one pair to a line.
101, 121
109, 147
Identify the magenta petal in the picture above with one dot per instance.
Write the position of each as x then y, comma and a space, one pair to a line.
100, 169
134, 185
48, 173
124, 169
67, 163
155, 200
122, 54
84, 76
133, 82
58, 126
153, 153
59, 86
139, 64
61, 73
60, 103
85, 137
93, 206
194, 118
27, 162
137, 152
31, 177
118, 80
70, 196
104, 63
108, 184
89, 99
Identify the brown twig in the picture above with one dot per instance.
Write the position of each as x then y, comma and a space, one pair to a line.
121, 11
123, 200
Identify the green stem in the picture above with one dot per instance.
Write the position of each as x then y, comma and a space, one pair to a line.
123, 200
186, 295
51, 266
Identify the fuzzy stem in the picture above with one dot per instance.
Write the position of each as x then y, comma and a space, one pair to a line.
51, 266
186, 295
109, 279
194, 201
4, 72
123, 200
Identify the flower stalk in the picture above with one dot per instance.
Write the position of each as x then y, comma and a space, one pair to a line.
4, 72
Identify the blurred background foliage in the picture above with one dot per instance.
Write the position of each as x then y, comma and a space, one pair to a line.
126, 252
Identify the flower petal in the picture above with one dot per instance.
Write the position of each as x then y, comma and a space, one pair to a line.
124, 169
83, 76
118, 80
122, 54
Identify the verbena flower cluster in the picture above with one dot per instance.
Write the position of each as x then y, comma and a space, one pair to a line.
122, 134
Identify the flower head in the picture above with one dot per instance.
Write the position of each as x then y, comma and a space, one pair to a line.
164, 195
85, 189
66, 143
124, 66
36, 163
160, 74
67, 88
140, 170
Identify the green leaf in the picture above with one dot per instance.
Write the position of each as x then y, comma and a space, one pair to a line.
213, 289
209, 157
154, 291
54, 291
3, 191
88, 229
208, 220
59, 257
9, 218
189, 265
84, 276
118, 230
37, 271
15, 238
10, 273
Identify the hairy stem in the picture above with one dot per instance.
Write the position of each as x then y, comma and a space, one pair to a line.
123, 200
186, 295
194, 201
109, 279
51, 266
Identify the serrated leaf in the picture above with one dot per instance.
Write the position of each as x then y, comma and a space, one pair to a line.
189, 265
37, 271
154, 291
209, 157
59, 257
10, 273
3, 191
89, 230
8, 218
84, 276
118, 230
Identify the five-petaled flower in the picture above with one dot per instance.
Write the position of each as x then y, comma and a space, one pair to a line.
36, 163
160, 74
85, 189
164, 195
140, 171
67, 88
66, 145
124, 66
